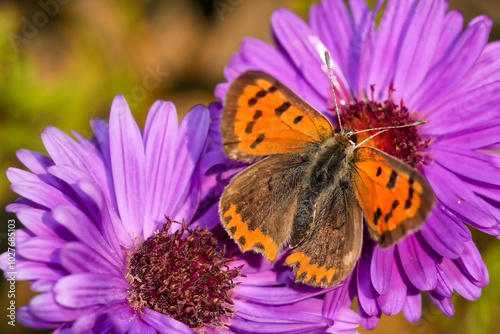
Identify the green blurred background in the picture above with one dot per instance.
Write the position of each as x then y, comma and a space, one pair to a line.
62, 65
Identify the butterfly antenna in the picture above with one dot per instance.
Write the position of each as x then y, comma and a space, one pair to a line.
384, 129
327, 62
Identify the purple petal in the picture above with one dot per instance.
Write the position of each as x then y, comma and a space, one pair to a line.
128, 165
84, 290
485, 71
473, 165
359, 10
28, 271
191, 143
332, 16
84, 156
276, 295
29, 320
346, 321
34, 161
45, 307
83, 229
251, 319
451, 29
42, 286
419, 266
307, 53
443, 303
392, 302
460, 281
412, 309
336, 300
381, 268
164, 324
457, 197
93, 202
446, 74
160, 137
101, 131
443, 286
442, 234
41, 249
473, 264
418, 47
42, 194
366, 293
475, 138
369, 322
37, 221
360, 47
390, 35
464, 112
78, 258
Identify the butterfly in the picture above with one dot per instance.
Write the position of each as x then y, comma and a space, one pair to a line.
314, 185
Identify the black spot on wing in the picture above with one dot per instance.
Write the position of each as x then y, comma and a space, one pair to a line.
297, 119
392, 180
261, 94
258, 140
259, 246
282, 108
232, 229
249, 127
379, 171
377, 216
242, 241
252, 102
257, 115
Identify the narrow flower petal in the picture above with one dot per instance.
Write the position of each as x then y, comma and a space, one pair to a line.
417, 263
45, 307
419, 45
381, 268
160, 137
128, 166
84, 290
445, 77
309, 50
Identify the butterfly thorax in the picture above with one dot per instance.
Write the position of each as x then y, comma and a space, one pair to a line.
329, 165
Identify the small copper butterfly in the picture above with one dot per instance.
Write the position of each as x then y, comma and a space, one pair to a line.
314, 186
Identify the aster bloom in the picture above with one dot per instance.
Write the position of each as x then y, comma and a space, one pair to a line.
116, 240
416, 63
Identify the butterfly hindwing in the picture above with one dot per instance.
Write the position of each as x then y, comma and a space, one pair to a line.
395, 198
333, 247
263, 117
258, 205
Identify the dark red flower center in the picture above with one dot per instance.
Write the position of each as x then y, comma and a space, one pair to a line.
184, 275
403, 143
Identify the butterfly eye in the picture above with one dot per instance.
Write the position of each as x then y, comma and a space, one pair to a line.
353, 138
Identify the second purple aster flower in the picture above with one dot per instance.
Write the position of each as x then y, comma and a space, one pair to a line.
100, 246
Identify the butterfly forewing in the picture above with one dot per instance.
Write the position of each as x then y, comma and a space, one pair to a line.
395, 198
263, 117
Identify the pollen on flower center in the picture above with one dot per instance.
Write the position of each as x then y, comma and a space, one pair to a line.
403, 143
184, 275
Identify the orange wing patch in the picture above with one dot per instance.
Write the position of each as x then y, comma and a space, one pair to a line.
302, 265
263, 117
247, 239
390, 193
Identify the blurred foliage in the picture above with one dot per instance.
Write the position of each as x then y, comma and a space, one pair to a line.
66, 69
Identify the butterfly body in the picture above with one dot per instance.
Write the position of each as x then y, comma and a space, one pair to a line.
312, 189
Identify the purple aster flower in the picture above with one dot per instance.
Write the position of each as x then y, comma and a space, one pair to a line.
417, 63
99, 249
